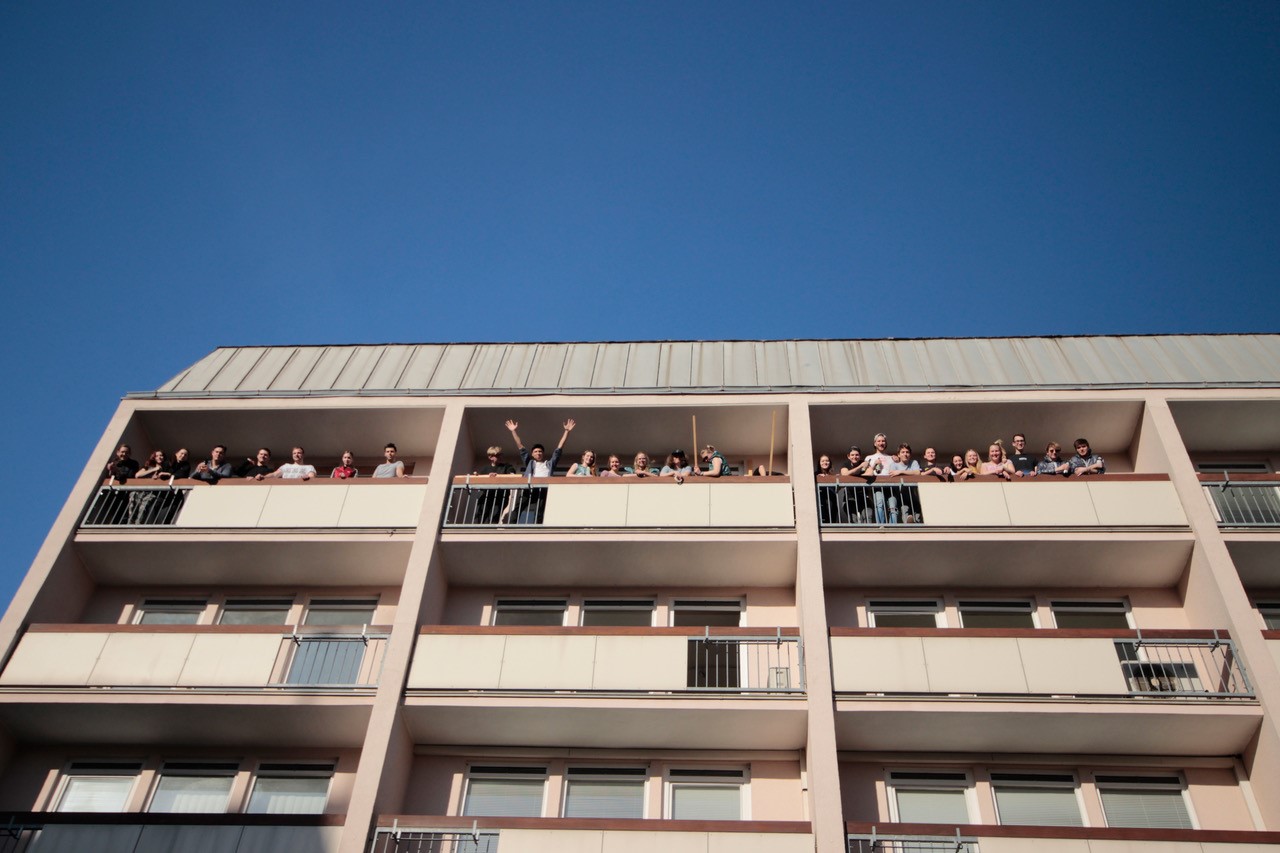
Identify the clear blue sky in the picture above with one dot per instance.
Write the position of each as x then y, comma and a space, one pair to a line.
174, 177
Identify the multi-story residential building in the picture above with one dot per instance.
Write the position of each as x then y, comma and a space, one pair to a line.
456, 662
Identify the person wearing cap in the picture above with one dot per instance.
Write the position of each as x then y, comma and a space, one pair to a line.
677, 466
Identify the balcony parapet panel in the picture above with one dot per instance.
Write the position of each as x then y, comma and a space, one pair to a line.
522, 503
979, 838
914, 501
152, 833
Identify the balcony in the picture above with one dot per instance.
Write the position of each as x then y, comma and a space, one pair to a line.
156, 833
250, 504
916, 502
999, 690
418, 834
519, 503
935, 838
1244, 500
129, 679
665, 687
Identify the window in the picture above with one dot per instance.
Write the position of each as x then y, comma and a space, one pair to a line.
1036, 799
930, 797
1091, 614
692, 613
1233, 467
193, 787
505, 792
921, 613
605, 792
255, 611
618, 611
290, 789
529, 611
1270, 611
98, 786
997, 614
706, 794
169, 611
340, 611
1145, 802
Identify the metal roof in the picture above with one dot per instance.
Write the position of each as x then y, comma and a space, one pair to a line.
1127, 361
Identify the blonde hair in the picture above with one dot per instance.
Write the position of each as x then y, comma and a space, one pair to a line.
495, 450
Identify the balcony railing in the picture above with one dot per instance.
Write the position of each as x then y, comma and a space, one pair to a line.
332, 660
395, 840
866, 837
495, 505
1207, 669
874, 842
746, 664
864, 505
1244, 500
135, 506
33, 832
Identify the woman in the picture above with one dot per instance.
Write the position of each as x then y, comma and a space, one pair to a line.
345, 471
828, 498
677, 466
1051, 463
996, 464
717, 465
181, 469
931, 466
614, 467
155, 468
640, 466
971, 467
584, 467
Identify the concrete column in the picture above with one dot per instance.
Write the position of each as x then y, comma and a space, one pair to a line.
825, 807
1218, 576
386, 758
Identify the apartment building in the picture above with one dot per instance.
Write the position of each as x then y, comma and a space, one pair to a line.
454, 662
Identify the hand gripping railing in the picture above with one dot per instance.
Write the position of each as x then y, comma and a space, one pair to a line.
874, 842
393, 839
135, 506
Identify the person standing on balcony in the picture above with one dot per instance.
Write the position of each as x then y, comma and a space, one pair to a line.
878, 460
931, 466
584, 467
678, 466
156, 467
181, 469
392, 467
258, 467
1024, 464
122, 466
1051, 463
717, 465
535, 461
217, 468
298, 469
347, 470
996, 465
972, 466
1085, 462
614, 467
900, 495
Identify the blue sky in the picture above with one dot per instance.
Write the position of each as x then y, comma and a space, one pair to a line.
175, 177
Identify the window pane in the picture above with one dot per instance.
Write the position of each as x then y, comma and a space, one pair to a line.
918, 805
996, 619
1150, 809
169, 617
254, 616
204, 794
905, 620
693, 618
604, 798
321, 615
1090, 619
527, 616
504, 798
636, 618
706, 802
95, 794
300, 795
1030, 806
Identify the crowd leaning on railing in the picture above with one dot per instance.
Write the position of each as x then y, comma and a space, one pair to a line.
536, 462
167, 468
1007, 466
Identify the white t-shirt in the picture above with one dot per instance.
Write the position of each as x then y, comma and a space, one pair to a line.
878, 460
294, 471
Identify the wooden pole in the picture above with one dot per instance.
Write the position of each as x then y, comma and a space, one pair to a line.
773, 432
697, 454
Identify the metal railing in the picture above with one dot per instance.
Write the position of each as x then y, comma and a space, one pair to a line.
860, 504
330, 660
483, 504
135, 506
1205, 669
1238, 504
877, 843
396, 840
18, 836
746, 664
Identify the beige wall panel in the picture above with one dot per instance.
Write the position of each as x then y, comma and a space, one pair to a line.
189, 839
154, 659
752, 842
231, 660
382, 505
963, 505
1145, 504
1071, 666
80, 839
1096, 846
648, 842
66, 659
878, 665
1038, 845
290, 839
973, 665
751, 505
551, 841
669, 506
1214, 847
1050, 504
548, 663
1273, 646
231, 506
586, 506
641, 663
302, 506
456, 661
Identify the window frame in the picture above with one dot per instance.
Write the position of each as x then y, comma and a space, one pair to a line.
1067, 780
291, 770
262, 604
617, 605
960, 780
1263, 607
97, 769
1144, 781
906, 606
706, 776
715, 605
529, 772
1087, 605
614, 773
177, 604
534, 604
340, 604
194, 770
999, 605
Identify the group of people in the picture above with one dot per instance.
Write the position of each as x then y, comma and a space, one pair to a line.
535, 462
999, 463
160, 466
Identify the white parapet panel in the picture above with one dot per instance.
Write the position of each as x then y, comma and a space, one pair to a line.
587, 505
304, 505
964, 504
1147, 504
53, 658
640, 841
242, 660
1060, 503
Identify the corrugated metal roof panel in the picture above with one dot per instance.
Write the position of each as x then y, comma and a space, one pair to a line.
1108, 361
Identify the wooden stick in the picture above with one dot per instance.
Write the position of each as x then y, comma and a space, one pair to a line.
773, 431
697, 454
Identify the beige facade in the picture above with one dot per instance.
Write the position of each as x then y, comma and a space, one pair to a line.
772, 663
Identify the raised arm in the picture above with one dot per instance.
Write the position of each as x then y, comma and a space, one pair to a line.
511, 427
568, 428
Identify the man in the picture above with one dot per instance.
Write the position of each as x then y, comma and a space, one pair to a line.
217, 468
122, 466
1085, 462
897, 467
1024, 464
258, 467
298, 469
528, 506
392, 467
878, 460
